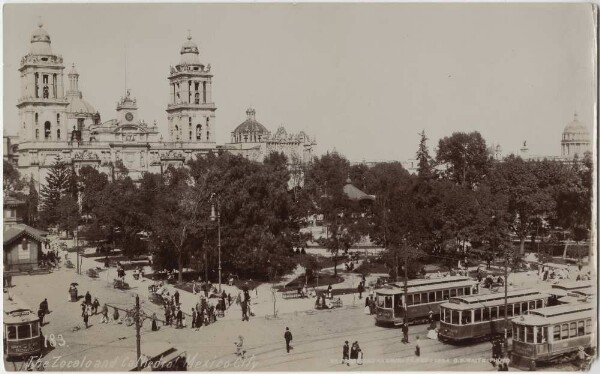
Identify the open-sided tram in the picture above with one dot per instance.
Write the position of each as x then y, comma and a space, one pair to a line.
552, 334
474, 317
423, 296
22, 331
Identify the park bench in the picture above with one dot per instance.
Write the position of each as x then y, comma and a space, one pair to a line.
291, 295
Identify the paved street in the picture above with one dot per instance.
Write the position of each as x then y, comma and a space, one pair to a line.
318, 335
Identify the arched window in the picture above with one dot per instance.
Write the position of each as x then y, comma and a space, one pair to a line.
47, 130
245, 138
46, 92
198, 132
190, 135
208, 135
197, 98
57, 119
36, 119
57, 133
37, 134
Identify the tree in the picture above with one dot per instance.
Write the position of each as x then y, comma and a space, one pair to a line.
58, 185
424, 170
92, 184
12, 181
31, 203
179, 211
67, 214
465, 157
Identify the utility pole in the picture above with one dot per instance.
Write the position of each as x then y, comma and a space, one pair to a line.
137, 333
505, 297
405, 287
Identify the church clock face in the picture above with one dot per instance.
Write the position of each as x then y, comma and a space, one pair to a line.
129, 117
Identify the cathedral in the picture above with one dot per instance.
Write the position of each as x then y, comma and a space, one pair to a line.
55, 123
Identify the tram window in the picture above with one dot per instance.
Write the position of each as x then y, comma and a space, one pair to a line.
446, 294
424, 297
515, 332
438, 295
565, 331
446, 315
528, 334
431, 297
380, 301
12, 332
556, 332
477, 315
388, 301
35, 330
459, 292
544, 335
455, 317
524, 307
453, 292
580, 328
522, 332
588, 326
517, 309
466, 317
501, 311
494, 314
539, 304
486, 314
409, 299
532, 305
24, 331
509, 310
573, 329
539, 336
417, 298
467, 290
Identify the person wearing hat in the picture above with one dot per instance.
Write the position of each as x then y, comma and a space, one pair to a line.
582, 358
288, 338
346, 354
405, 332
431, 321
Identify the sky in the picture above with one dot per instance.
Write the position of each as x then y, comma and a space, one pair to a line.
364, 79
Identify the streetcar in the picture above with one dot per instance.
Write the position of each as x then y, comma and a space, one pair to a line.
475, 317
562, 289
22, 330
552, 334
423, 296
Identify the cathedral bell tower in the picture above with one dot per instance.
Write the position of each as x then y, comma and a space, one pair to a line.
42, 103
191, 111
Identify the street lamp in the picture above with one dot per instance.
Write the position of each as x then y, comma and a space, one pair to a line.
217, 217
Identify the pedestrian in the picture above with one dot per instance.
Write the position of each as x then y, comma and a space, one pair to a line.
582, 359
179, 318
417, 348
85, 318
354, 351
176, 296
95, 306
405, 332
154, 324
360, 356
106, 262
116, 315
288, 339
329, 292
44, 306
88, 298
193, 318
104, 314
229, 299
371, 305
239, 345
41, 315
361, 289
431, 321
346, 354
245, 311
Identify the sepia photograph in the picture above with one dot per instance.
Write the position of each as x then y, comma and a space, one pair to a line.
287, 187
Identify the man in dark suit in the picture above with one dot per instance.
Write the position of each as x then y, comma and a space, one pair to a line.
288, 338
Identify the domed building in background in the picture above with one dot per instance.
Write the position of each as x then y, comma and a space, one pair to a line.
576, 139
57, 123
252, 140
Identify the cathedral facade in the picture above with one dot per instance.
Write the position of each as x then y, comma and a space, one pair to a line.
59, 124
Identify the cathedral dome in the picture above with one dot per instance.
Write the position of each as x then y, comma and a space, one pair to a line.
575, 130
250, 125
79, 106
40, 41
189, 53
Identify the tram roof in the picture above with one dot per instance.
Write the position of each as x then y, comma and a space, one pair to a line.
16, 311
425, 287
494, 302
474, 299
572, 285
398, 287
541, 320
